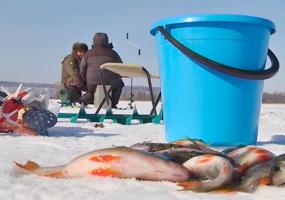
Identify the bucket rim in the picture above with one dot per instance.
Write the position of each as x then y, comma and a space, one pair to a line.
213, 18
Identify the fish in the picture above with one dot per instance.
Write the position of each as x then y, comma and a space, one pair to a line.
255, 176
231, 149
214, 171
246, 157
120, 162
188, 143
179, 155
278, 170
153, 147
195, 144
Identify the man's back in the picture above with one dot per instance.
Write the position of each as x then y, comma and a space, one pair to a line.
92, 61
90, 67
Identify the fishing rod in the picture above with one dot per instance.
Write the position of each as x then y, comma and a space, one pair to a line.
136, 46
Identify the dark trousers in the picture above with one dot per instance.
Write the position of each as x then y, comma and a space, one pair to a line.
73, 95
88, 98
116, 93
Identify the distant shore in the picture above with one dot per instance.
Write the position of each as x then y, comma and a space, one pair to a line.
139, 92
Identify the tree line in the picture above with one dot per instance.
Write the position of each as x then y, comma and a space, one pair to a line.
139, 93
276, 97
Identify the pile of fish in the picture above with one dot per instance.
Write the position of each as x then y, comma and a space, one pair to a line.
189, 163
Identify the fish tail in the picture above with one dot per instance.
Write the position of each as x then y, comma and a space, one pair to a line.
33, 168
29, 166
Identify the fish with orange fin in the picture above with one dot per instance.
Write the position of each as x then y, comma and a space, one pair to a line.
255, 176
195, 144
153, 146
121, 162
179, 155
246, 157
271, 172
213, 171
277, 172
187, 143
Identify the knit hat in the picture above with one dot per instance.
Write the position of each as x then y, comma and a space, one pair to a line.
79, 47
101, 39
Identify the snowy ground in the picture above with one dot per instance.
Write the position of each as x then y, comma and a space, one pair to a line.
69, 140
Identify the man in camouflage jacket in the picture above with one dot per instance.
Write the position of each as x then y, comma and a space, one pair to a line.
70, 76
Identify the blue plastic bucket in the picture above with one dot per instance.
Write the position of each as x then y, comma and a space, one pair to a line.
212, 69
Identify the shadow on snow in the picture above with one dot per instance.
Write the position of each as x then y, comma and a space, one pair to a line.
76, 132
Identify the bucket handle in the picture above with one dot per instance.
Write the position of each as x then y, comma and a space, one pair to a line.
241, 73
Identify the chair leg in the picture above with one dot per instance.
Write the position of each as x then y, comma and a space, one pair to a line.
150, 88
104, 86
155, 104
107, 93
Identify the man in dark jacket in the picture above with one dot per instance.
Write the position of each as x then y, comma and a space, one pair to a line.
70, 76
90, 66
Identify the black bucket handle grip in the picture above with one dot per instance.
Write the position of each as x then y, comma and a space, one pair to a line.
241, 73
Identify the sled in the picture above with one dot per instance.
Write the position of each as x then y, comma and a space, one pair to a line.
24, 113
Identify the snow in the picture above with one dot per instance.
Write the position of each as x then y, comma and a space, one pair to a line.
69, 140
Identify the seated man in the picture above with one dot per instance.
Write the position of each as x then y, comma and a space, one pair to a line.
101, 53
70, 77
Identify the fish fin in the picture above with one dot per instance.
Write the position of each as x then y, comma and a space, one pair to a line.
205, 158
57, 174
263, 154
105, 158
34, 168
226, 169
264, 181
182, 143
29, 166
190, 185
240, 170
228, 191
197, 186
265, 157
104, 172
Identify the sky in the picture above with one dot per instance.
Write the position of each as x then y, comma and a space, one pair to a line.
37, 34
